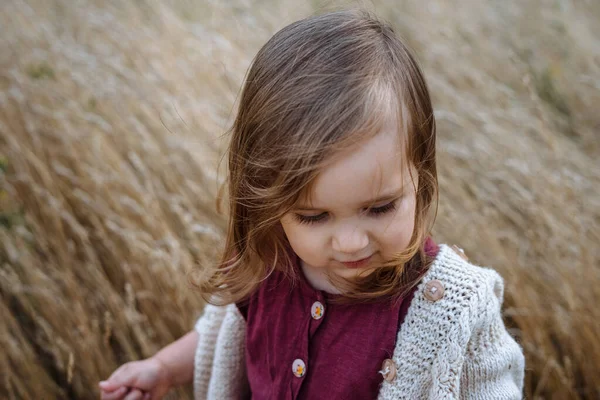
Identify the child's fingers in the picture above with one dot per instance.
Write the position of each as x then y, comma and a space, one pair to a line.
123, 376
135, 394
114, 395
108, 387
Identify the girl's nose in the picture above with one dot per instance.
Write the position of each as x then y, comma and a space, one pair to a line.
350, 240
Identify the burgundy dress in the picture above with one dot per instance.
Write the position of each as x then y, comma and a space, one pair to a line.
301, 346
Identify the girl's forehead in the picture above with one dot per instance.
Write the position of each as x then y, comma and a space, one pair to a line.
374, 167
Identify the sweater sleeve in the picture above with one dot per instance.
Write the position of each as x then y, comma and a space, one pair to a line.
208, 327
494, 364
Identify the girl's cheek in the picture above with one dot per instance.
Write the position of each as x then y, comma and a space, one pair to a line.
305, 238
315, 239
400, 226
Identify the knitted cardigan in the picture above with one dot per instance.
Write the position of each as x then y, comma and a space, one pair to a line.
454, 348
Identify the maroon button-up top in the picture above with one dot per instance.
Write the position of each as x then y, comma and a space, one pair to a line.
343, 351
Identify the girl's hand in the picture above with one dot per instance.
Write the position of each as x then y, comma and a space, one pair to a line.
138, 380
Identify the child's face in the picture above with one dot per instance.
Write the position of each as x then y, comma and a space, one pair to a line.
340, 227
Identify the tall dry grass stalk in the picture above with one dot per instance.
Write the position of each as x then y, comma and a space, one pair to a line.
110, 123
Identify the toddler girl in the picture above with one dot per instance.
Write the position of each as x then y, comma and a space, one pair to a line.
331, 286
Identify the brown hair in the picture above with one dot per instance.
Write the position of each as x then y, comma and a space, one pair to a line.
320, 85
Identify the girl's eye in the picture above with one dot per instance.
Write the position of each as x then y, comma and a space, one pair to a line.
310, 219
383, 209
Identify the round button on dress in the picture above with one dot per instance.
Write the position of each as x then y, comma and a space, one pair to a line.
434, 290
460, 252
298, 368
317, 310
388, 370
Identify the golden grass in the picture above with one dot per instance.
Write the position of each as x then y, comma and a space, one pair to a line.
110, 122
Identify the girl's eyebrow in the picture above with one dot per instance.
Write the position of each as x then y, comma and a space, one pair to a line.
388, 196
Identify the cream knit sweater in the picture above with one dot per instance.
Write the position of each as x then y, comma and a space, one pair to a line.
454, 348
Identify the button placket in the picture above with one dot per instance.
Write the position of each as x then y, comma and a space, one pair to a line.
300, 364
301, 360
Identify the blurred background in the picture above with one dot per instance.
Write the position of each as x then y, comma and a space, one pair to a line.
112, 115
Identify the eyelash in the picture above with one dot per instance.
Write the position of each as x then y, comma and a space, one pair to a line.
375, 211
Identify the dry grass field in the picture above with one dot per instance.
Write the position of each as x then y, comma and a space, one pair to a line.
112, 115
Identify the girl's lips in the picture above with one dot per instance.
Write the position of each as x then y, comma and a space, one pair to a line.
357, 264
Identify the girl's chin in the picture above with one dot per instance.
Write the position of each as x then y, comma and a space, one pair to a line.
353, 272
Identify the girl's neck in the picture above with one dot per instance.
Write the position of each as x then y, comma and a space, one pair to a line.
317, 279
